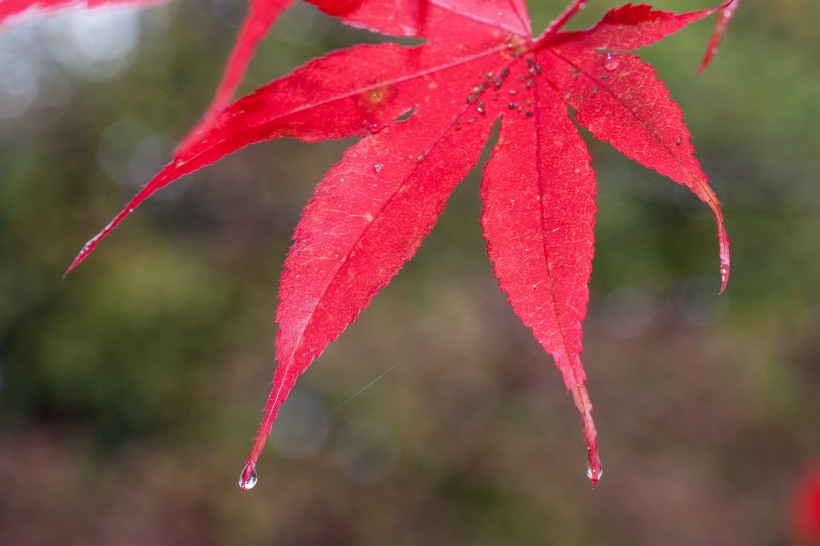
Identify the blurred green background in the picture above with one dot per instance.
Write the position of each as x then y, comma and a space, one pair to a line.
129, 393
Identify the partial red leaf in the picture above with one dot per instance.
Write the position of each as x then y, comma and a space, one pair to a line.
340, 95
262, 14
620, 100
804, 509
12, 9
432, 19
538, 218
367, 219
628, 27
726, 13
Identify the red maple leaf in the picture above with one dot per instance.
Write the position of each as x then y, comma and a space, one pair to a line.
803, 508
480, 65
11, 10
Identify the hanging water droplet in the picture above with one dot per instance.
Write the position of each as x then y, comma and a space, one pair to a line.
248, 477
594, 475
611, 62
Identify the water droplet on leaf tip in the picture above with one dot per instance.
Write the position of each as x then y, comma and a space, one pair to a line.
724, 276
247, 480
611, 62
594, 475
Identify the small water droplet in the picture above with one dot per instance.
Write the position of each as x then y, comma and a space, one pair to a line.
248, 477
594, 475
611, 62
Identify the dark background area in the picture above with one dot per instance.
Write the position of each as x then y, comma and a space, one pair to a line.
129, 393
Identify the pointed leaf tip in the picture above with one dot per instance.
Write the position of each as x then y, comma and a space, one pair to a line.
727, 11
582, 402
705, 192
725, 262
594, 470
92, 243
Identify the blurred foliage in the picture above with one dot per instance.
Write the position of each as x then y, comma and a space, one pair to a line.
129, 391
